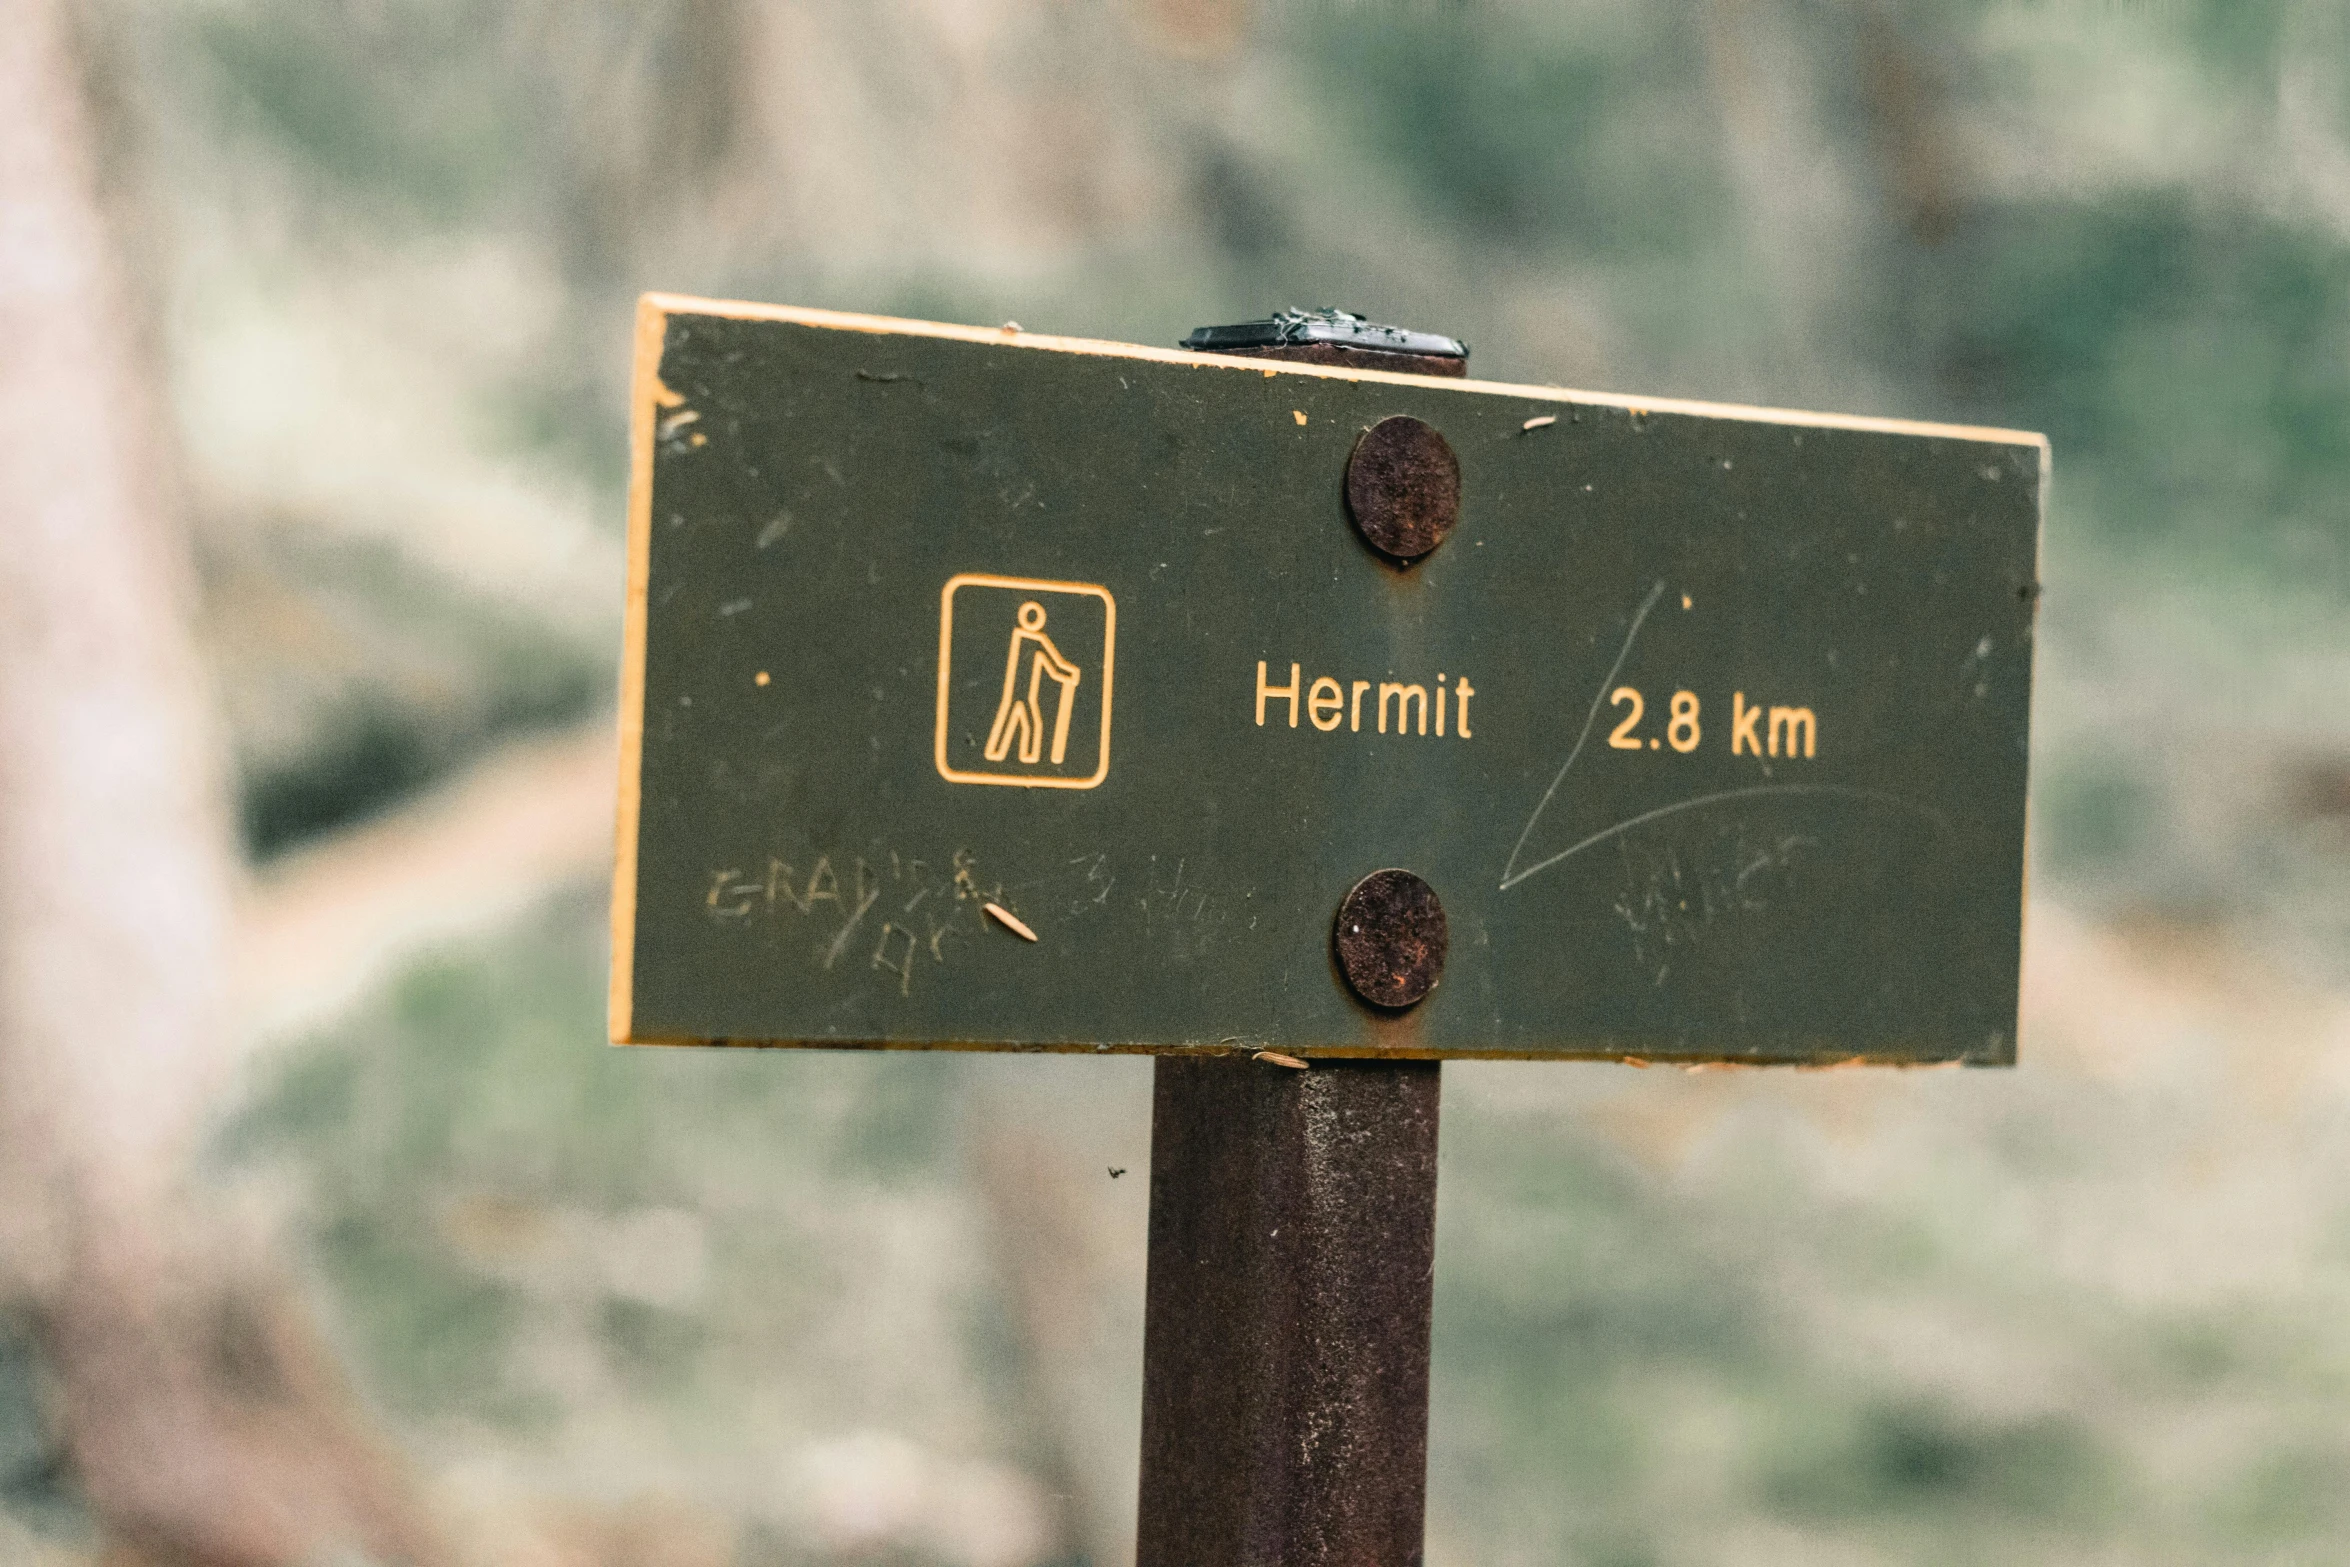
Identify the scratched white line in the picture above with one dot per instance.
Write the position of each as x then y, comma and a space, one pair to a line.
1510, 874
1602, 836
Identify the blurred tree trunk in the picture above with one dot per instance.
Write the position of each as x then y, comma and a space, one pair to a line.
201, 1417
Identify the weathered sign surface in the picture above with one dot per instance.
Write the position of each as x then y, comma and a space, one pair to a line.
991, 690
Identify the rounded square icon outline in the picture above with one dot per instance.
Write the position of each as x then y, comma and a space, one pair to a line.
946, 639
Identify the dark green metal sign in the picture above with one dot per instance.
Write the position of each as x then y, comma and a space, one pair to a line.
987, 690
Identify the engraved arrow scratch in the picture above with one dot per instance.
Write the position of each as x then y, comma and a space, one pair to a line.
1510, 874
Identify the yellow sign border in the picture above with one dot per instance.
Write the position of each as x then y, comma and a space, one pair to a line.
946, 637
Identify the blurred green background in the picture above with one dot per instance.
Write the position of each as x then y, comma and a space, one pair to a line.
671, 1308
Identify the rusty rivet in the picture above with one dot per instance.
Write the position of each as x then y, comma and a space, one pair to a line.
1391, 938
1403, 485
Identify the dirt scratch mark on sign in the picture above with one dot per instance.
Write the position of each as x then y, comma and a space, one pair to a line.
1672, 898
903, 966
883, 910
1699, 802
867, 896
1511, 875
1180, 916
1098, 880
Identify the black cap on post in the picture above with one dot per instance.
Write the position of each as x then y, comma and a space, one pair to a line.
1335, 337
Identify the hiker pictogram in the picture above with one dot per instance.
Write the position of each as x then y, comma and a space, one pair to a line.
1021, 718
1044, 721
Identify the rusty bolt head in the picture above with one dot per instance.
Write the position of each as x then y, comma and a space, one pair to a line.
1403, 485
1391, 938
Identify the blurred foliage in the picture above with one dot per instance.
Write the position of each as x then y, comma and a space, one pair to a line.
36, 1484
2191, 360
1566, 137
354, 677
539, 1247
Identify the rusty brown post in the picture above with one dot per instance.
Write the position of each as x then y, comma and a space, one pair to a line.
1292, 1260
1285, 1343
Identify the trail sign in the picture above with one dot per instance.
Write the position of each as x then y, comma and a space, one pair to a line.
991, 690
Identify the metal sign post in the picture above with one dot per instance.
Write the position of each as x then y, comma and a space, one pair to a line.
1285, 1341
1304, 723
